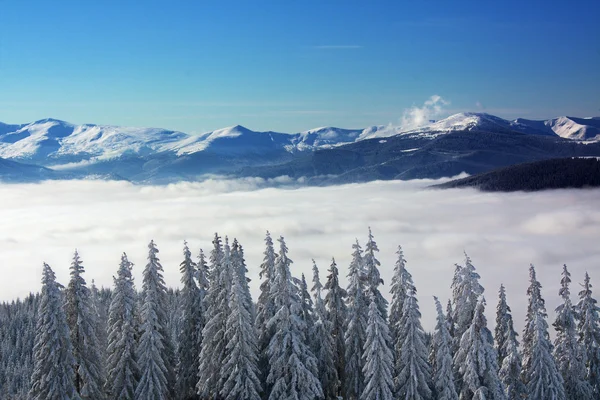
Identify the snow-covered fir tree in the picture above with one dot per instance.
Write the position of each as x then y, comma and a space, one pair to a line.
239, 371
478, 361
504, 322
53, 376
378, 358
155, 350
589, 334
371, 268
510, 370
509, 359
466, 291
307, 306
189, 337
323, 343
335, 304
314, 336
100, 305
81, 318
18, 321
290, 358
398, 290
265, 306
443, 378
239, 262
214, 340
451, 325
540, 375
567, 350
123, 329
202, 282
356, 326
412, 376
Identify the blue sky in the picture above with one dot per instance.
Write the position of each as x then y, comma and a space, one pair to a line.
290, 66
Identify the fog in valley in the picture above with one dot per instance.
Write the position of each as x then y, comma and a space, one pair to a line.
502, 232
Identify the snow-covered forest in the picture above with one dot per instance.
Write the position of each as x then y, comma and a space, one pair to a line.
303, 337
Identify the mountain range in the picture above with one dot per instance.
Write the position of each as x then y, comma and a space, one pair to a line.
465, 142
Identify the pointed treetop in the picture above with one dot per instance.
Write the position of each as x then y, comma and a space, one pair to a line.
317, 286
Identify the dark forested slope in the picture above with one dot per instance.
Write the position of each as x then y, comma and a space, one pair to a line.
558, 173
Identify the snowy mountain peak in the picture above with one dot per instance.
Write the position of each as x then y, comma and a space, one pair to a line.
467, 121
325, 136
576, 128
52, 142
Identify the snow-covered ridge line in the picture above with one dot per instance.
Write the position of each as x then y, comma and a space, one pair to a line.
51, 142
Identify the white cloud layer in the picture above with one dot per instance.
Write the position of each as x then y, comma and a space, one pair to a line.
502, 233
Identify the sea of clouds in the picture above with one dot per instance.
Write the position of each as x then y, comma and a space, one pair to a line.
502, 232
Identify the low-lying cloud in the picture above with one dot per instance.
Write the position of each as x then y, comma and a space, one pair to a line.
502, 233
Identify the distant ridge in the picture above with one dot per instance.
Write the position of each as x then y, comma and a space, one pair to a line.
464, 142
562, 173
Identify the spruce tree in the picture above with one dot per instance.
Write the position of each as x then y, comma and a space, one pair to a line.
100, 309
290, 358
189, 336
89, 374
202, 274
123, 370
378, 359
53, 374
371, 269
540, 375
356, 326
477, 360
214, 342
398, 291
466, 293
335, 305
239, 371
323, 343
443, 378
155, 351
203, 284
451, 325
510, 370
238, 262
412, 370
509, 359
589, 334
307, 306
567, 350
265, 306
504, 322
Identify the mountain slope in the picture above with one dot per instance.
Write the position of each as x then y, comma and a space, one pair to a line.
53, 142
465, 142
560, 173
416, 156
14, 172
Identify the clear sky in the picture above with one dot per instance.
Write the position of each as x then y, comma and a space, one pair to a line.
293, 65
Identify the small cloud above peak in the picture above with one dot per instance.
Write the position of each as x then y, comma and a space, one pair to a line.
416, 117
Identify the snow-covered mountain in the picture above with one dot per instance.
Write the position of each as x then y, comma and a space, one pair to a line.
160, 155
582, 129
52, 142
585, 129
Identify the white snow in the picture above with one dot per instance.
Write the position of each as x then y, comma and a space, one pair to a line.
56, 140
568, 128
